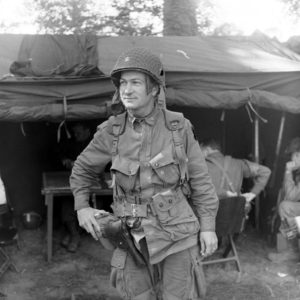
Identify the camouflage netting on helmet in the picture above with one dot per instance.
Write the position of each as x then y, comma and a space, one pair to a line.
139, 59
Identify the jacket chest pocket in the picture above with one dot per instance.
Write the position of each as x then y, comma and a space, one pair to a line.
125, 172
166, 167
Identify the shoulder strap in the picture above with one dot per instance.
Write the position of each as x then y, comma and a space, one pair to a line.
116, 127
224, 171
174, 122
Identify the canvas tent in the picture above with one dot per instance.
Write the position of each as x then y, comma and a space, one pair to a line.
213, 72
223, 73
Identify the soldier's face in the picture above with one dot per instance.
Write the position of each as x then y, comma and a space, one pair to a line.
295, 157
133, 93
81, 133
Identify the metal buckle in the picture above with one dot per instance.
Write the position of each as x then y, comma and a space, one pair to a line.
134, 210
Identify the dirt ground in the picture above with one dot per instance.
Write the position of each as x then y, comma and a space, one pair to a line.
85, 275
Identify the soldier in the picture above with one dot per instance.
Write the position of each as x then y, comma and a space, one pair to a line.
228, 173
289, 207
68, 151
164, 201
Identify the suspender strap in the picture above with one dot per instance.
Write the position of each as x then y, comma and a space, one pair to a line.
116, 128
223, 170
180, 153
174, 122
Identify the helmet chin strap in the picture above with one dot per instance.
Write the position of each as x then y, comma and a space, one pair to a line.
161, 98
117, 106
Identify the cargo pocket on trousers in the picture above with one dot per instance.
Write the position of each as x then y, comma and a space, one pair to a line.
117, 263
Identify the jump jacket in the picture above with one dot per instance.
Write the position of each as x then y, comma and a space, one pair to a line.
146, 174
236, 170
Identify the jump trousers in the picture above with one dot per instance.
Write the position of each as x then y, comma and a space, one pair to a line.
178, 277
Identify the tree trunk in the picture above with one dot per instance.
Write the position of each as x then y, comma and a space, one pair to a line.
180, 17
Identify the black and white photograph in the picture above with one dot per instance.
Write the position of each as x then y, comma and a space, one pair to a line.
149, 150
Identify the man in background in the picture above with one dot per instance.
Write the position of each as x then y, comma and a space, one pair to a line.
68, 152
227, 173
289, 207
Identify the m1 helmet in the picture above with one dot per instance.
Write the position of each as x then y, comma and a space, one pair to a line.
142, 60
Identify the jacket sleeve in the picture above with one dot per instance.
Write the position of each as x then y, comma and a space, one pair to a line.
203, 195
259, 173
89, 165
291, 188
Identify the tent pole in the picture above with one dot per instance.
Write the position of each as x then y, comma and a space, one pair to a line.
277, 150
256, 158
223, 121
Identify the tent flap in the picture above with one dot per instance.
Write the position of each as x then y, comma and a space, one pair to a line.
55, 112
212, 72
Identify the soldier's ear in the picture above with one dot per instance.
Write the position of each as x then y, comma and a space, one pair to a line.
155, 90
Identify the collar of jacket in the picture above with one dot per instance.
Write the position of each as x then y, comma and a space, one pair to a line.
216, 154
149, 119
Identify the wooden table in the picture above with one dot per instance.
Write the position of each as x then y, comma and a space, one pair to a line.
57, 184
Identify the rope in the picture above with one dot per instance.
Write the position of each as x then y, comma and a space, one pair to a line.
63, 123
249, 113
222, 118
253, 109
23, 129
256, 113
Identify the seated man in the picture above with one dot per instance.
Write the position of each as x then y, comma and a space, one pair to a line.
227, 173
289, 208
68, 152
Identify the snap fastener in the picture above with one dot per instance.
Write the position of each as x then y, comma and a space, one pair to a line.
156, 164
170, 200
160, 204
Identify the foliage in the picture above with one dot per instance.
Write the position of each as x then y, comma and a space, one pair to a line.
293, 7
126, 17
118, 17
86, 16
134, 18
205, 16
66, 16
227, 29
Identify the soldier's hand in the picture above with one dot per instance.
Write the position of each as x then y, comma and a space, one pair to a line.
208, 243
86, 219
291, 166
231, 194
249, 197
